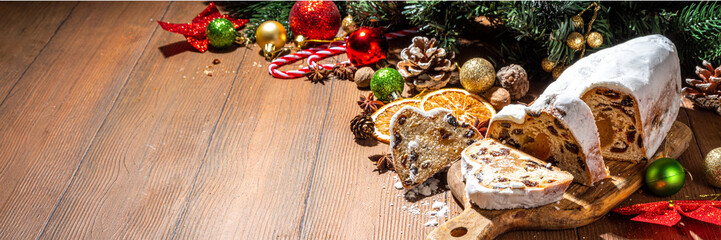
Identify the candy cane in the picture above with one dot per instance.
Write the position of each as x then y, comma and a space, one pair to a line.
288, 59
316, 54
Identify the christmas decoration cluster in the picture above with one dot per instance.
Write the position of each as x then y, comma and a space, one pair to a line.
434, 109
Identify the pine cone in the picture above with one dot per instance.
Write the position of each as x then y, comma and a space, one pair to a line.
425, 66
706, 93
362, 126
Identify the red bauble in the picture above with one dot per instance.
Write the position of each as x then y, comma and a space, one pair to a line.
366, 46
317, 20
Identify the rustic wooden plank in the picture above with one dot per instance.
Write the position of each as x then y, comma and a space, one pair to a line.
49, 120
137, 174
28, 27
255, 179
621, 226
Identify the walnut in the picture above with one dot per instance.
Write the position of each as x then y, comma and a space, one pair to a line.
498, 97
363, 77
514, 79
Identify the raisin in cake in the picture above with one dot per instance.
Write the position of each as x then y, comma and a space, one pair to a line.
424, 143
634, 92
556, 128
499, 177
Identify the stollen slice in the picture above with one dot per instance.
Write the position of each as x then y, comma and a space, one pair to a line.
424, 143
500, 177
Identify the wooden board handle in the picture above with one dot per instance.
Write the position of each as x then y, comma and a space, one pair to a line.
470, 224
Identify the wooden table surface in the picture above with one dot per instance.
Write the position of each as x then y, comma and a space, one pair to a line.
111, 128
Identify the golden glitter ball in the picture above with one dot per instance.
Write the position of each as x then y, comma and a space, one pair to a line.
348, 24
712, 167
547, 65
577, 22
575, 41
557, 71
271, 32
594, 39
477, 75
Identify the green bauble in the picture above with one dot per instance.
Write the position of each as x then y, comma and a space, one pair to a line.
385, 82
220, 33
665, 177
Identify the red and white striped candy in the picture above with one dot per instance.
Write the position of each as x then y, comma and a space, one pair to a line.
316, 54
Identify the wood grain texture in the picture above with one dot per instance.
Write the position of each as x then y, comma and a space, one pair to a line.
50, 118
137, 175
255, 179
581, 205
28, 28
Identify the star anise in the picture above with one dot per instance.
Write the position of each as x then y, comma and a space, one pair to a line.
384, 162
344, 72
369, 104
317, 75
482, 127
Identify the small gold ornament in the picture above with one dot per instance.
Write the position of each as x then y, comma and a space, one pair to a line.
594, 39
712, 167
300, 41
577, 22
547, 65
575, 41
348, 25
557, 71
477, 75
242, 40
270, 32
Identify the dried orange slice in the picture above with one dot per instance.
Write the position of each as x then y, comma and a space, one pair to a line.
382, 117
467, 107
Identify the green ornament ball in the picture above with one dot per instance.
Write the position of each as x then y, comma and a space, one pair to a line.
385, 82
220, 33
665, 177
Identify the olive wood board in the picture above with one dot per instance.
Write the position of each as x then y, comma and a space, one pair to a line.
581, 205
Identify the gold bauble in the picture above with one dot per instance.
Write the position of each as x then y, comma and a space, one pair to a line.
547, 65
712, 167
594, 39
577, 22
557, 71
575, 41
477, 75
348, 25
300, 41
271, 32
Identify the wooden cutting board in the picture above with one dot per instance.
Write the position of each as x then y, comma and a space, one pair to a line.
580, 205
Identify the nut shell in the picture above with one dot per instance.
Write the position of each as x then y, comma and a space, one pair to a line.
363, 77
498, 97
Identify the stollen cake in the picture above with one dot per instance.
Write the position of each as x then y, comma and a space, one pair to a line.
500, 177
424, 143
634, 92
556, 128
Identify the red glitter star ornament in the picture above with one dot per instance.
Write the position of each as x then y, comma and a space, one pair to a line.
194, 31
667, 212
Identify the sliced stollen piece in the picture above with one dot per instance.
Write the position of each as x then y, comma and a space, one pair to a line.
556, 128
634, 92
500, 177
424, 143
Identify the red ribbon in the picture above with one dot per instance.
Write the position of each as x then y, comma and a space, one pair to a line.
194, 31
667, 212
